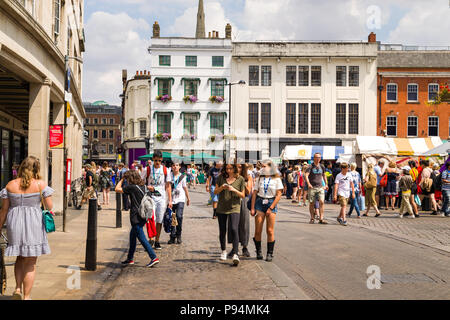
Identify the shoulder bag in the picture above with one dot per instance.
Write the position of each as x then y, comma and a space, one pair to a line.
47, 216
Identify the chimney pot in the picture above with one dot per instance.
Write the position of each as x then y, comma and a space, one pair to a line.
372, 37
156, 30
209, 34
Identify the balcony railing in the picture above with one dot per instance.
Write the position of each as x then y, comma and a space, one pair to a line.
400, 47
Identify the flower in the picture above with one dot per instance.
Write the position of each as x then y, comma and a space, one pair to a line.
163, 137
164, 98
190, 98
215, 137
217, 99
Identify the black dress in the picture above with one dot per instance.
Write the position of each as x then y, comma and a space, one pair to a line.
391, 188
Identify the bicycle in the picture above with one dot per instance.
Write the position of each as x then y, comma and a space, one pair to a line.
3, 245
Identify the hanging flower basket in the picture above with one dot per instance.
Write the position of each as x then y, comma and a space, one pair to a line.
163, 137
443, 96
191, 99
216, 137
230, 137
216, 99
165, 98
191, 137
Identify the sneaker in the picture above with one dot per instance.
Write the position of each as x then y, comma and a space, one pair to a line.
223, 256
344, 223
447, 215
235, 260
179, 240
400, 216
158, 246
442, 214
152, 263
171, 241
416, 216
127, 262
245, 252
413, 216
339, 220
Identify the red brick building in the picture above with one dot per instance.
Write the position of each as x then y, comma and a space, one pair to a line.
408, 79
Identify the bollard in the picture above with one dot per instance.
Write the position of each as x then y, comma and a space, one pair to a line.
91, 241
118, 210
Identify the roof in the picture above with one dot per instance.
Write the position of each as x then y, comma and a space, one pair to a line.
414, 59
396, 146
443, 149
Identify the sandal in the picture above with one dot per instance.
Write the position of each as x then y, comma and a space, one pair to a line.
365, 215
322, 222
312, 221
377, 215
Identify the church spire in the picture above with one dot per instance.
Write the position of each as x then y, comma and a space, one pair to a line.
200, 32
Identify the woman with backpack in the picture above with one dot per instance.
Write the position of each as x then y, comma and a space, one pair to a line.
370, 186
136, 190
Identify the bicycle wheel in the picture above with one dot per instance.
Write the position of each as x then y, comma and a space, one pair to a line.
2, 273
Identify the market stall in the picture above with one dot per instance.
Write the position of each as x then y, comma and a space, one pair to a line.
305, 152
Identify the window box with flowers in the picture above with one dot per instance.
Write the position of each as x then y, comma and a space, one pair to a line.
190, 98
187, 136
163, 137
216, 99
442, 96
164, 98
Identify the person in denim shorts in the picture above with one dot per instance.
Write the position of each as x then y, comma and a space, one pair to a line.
267, 192
315, 179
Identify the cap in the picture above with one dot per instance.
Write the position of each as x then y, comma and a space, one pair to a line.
407, 168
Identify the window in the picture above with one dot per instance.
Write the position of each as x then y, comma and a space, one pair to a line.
303, 76
253, 72
217, 61
315, 118
341, 118
163, 123
190, 124
164, 87
191, 61
265, 117
303, 118
353, 118
104, 121
111, 149
143, 128
95, 121
111, 134
111, 121
316, 76
95, 134
413, 90
253, 117
218, 88
391, 92
433, 90
433, 126
57, 16
266, 76
103, 134
291, 76
341, 76
290, 117
217, 123
86, 121
353, 76
190, 87
391, 126
164, 60
412, 126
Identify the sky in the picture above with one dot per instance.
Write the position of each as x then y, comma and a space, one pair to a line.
118, 32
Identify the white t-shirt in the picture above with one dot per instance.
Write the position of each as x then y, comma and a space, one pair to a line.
156, 179
178, 193
267, 187
343, 182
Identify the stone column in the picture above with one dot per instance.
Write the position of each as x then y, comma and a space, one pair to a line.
38, 124
58, 178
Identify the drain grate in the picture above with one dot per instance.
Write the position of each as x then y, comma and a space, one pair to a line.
406, 278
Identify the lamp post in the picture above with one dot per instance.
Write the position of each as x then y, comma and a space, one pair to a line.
241, 82
67, 82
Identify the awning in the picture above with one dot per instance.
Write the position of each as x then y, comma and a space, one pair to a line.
162, 78
163, 112
166, 156
191, 79
217, 113
305, 152
194, 113
218, 79
396, 146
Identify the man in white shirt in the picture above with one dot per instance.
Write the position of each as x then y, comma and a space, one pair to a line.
159, 185
344, 188
180, 197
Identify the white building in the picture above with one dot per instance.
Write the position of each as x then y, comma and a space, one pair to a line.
314, 93
190, 67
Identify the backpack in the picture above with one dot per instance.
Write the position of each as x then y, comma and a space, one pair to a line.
168, 221
146, 206
291, 177
426, 184
95, 181
148, 173
384, 181
437, 181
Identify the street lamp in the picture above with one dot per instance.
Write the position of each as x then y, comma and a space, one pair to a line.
66, 109
241, 82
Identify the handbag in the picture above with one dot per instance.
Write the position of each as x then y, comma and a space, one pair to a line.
417, 200
47, 216
384, 181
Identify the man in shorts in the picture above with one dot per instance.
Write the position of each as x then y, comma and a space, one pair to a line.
317, 185
214, 173
344, 188
159, 184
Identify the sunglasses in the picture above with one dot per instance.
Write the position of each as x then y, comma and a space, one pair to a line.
157, 160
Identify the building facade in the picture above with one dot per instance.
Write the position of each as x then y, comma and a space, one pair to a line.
409, 78
314, 93
136, 115
35, 38
189, 94
102, 124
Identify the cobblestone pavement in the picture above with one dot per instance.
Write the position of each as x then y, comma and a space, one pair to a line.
433, 231
193, 270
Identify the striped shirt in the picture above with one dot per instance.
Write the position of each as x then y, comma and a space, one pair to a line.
445, 176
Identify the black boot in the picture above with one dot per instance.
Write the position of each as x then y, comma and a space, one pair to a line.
270, 246
259, 255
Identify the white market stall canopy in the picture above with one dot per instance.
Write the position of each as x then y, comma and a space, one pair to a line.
396, 146
304, 152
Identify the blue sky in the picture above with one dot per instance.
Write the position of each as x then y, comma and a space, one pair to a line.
118, 32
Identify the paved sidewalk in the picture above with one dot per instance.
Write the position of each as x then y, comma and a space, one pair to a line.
69, 249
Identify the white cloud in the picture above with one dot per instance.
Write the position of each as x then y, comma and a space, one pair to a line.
113, 43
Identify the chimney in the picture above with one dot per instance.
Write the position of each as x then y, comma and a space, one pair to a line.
156, 30
228, 31
372, 37
145, 72
209, 34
